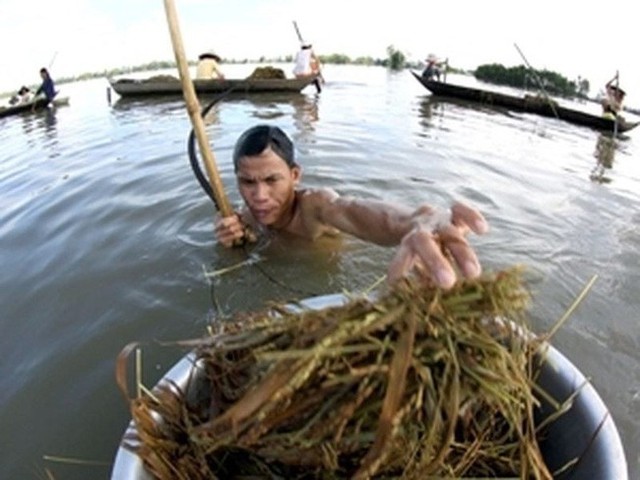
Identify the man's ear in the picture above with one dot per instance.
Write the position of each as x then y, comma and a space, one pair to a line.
296, 174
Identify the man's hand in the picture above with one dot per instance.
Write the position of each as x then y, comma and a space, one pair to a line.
229, 230
422, 250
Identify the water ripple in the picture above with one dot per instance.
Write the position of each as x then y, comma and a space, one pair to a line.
105, 232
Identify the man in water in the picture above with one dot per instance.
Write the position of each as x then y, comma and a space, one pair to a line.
268, 178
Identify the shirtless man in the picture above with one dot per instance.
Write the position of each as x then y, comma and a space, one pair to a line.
268, 178
612, 103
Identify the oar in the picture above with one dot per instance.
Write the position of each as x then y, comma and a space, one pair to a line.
316, 81
53, 59
193, 107
615, 120
537, 79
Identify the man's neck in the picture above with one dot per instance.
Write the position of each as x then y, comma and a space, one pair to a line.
289, 215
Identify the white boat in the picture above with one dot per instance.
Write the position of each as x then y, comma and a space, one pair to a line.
37, 104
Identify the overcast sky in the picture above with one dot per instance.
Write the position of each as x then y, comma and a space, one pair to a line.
573, 38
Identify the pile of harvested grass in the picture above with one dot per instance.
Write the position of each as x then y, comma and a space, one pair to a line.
162, 78
539, 100
418, 383
267, 73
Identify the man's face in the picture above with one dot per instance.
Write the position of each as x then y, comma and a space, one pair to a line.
267, 185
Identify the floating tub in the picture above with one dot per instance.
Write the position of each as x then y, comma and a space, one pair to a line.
586, 431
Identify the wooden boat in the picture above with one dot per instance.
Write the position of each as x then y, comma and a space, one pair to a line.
127, 87
584, 440
39, 103
527, 104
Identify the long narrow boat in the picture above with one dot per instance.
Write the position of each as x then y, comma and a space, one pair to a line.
127, 87
39, 104
527, 104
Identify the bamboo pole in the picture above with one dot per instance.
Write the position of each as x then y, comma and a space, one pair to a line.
193, 108
538, 81
615, 120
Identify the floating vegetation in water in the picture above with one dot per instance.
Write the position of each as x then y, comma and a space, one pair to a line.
414, 384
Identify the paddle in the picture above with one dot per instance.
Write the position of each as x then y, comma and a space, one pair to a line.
615, 120
53, 59
319, 77
537, 79
193, 108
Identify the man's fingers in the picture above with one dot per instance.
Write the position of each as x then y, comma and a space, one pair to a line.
464, 215
428, 250
228, 230
400, 265
462, 253
422, 246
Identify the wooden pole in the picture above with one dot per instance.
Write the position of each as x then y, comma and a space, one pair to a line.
193, 107
538, 81
615, 120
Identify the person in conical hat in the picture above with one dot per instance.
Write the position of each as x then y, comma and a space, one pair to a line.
208, 66
433, 68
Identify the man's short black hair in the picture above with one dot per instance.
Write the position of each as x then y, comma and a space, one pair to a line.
256, 140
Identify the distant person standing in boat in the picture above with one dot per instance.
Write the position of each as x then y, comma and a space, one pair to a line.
209, 67
614, 96
306, 62
433, 69
47, 87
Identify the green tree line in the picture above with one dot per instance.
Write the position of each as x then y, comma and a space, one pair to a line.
519, 76
334, 59
523, 77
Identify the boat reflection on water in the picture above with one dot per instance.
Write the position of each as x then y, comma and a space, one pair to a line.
433, 105
269, 107
302, 107
264, 106
50, 119
431, 111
